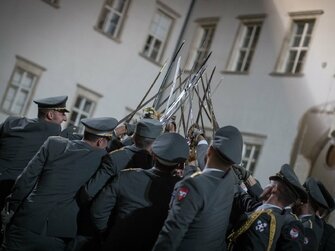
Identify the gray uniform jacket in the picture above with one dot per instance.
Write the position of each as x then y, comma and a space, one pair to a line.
199, 213
20, 139
124, 158
44, 195
133, 208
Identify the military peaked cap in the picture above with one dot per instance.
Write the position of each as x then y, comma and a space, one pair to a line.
102, 126
170, 149
149, 128
315, 193
228, 144
287, 175
328, 197
55, 103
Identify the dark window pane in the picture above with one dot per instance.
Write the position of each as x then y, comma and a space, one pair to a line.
73, 117
78, 102
87, 106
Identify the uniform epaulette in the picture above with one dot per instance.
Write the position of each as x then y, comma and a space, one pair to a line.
116, 150
195, 174
130, 169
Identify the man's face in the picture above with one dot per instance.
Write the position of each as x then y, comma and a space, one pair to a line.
58, 117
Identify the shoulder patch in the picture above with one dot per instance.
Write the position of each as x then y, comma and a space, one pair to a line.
182, 193
261, 225
195, 174
294, 233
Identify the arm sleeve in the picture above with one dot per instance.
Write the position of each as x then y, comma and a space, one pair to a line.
104, 173
201, 154
185, 204
28, 178
103, 204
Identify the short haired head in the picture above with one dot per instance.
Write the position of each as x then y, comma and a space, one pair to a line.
170, 149
289, 178
228, 144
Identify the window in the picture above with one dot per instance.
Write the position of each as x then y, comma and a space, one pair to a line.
201, 43
21, 86
245, 43
53, 3
251, 150
158, 34
84, 105
295, 48
112, 17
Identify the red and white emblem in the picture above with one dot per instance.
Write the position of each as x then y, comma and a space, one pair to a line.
294, 233
183, 191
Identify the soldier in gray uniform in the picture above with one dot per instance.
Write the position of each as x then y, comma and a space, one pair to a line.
133, 207
134, 156
307, 213
44, 195
20, 139
261, 229
201, 204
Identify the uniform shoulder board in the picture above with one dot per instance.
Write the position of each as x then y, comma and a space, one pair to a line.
131, 169
116, 150
195, 174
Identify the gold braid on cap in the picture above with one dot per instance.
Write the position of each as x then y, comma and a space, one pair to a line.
253, 217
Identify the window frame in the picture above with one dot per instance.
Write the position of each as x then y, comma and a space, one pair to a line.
194, 60
253, 140
245, 21
172, 15
116, 36
283, 58
86, 94
27, 67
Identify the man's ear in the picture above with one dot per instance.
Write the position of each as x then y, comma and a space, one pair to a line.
50, 115
99, 142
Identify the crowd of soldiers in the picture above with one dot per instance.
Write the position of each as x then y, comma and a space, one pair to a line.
146, 187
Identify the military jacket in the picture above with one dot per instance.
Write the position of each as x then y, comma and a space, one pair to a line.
44, 196
313, 228
292, 233
327, 242
20, 139
199, 213
259, 230
124, 158
133, 207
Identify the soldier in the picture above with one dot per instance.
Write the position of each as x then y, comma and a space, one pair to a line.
43, 196
262, 228
20, 139
133, 207
308, 214
134, 156
201, 204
